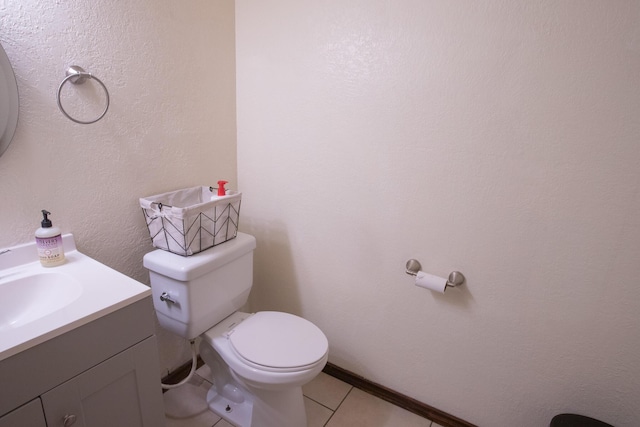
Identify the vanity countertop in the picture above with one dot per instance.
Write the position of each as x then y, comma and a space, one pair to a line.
88, 290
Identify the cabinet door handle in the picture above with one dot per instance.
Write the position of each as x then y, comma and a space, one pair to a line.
69, 420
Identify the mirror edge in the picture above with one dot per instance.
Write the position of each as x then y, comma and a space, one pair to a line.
6, 135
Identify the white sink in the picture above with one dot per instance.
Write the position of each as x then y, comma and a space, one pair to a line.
33, 295
38, 303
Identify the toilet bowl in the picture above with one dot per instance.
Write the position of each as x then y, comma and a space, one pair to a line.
259, 361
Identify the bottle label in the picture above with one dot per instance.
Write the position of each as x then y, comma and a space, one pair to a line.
50, 250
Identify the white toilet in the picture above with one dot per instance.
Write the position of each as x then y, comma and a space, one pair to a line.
259, 361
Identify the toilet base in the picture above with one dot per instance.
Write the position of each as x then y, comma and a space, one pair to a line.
238, 414
251, 406
266, 408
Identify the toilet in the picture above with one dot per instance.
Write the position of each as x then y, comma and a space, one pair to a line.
259, 361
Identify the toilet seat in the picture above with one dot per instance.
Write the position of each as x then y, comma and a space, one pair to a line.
276, 341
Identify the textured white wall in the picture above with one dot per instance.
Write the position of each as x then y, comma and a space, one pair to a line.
499, 138
169, 67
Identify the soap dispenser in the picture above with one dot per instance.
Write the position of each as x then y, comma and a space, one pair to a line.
49, 242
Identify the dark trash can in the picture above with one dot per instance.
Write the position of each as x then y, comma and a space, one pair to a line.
573, 420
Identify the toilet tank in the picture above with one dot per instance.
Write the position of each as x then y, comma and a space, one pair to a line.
205, 287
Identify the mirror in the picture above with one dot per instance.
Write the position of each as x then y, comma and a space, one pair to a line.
9, 104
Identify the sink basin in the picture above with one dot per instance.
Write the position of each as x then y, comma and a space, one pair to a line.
29, 297
39, 303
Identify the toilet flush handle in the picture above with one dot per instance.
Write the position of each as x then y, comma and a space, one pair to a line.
165, 297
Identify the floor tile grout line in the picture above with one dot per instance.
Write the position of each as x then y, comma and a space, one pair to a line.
319, 403
344, 398
339, 405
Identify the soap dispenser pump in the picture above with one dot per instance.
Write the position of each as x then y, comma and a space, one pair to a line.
49, 242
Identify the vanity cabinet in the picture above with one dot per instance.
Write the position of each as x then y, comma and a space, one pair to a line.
102, 374
114, 393
28, 415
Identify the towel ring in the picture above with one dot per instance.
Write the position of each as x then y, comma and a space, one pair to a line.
77, 75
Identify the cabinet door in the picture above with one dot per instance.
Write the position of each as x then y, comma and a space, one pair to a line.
121, 391
28, 415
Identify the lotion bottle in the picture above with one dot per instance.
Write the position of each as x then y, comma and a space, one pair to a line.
49, 243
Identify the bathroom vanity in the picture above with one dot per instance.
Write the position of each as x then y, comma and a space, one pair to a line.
91, 362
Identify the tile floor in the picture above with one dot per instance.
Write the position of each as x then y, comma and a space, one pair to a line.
329, 403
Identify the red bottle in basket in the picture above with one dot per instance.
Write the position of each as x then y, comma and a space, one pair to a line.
221, 189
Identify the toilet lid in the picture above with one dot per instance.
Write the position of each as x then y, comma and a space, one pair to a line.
278, 340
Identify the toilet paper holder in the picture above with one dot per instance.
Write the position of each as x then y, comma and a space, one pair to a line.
455, 277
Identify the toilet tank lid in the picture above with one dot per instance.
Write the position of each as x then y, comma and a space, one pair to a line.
188, 268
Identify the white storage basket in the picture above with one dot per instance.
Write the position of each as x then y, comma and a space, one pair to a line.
191, 220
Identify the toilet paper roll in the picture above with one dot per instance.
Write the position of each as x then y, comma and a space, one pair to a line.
431, 282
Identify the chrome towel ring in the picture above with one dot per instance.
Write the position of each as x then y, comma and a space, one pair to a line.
77, 75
